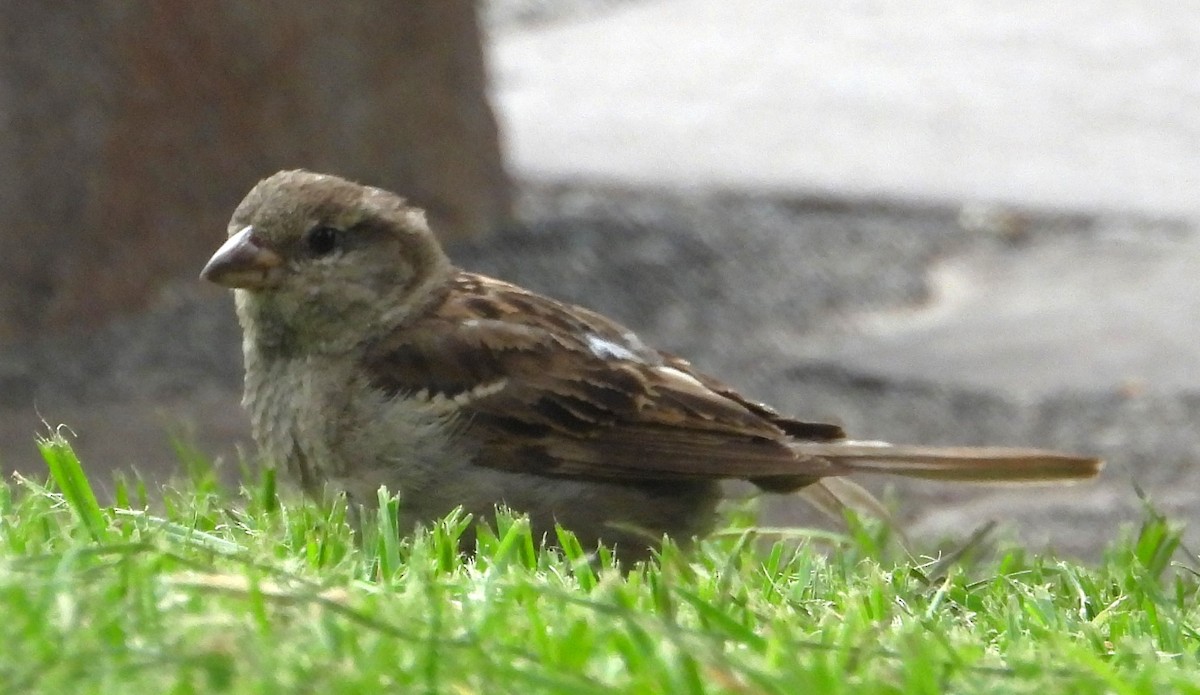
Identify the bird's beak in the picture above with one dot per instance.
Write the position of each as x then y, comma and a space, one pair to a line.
244, 262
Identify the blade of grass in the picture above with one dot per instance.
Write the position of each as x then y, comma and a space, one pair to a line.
68, 474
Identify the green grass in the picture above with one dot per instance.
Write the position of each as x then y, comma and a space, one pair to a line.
207, 591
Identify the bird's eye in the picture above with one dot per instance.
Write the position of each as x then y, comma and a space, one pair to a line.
323, 240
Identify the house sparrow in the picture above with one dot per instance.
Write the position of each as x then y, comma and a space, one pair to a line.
372, 360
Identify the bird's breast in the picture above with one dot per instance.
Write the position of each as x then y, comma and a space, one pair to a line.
323, 422
292, 417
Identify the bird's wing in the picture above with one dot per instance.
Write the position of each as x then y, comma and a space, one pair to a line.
554, 389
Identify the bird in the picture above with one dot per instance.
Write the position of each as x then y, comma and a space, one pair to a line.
372, 360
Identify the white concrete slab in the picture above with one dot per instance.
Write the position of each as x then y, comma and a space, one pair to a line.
1055, 103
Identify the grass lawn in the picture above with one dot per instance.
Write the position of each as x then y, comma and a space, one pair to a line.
205, 590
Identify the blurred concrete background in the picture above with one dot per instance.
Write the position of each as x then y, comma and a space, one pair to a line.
942, 222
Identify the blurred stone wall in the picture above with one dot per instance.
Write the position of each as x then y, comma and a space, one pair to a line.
129, 131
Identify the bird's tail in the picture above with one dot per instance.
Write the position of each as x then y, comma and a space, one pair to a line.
981, 464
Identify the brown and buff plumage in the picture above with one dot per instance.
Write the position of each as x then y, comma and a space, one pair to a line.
371, 359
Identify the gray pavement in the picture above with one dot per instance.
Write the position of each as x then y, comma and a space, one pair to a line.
1078, 314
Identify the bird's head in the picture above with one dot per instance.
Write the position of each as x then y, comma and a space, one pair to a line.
320, 264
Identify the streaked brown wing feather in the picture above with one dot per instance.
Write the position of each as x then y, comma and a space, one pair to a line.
799, 429
566, 410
